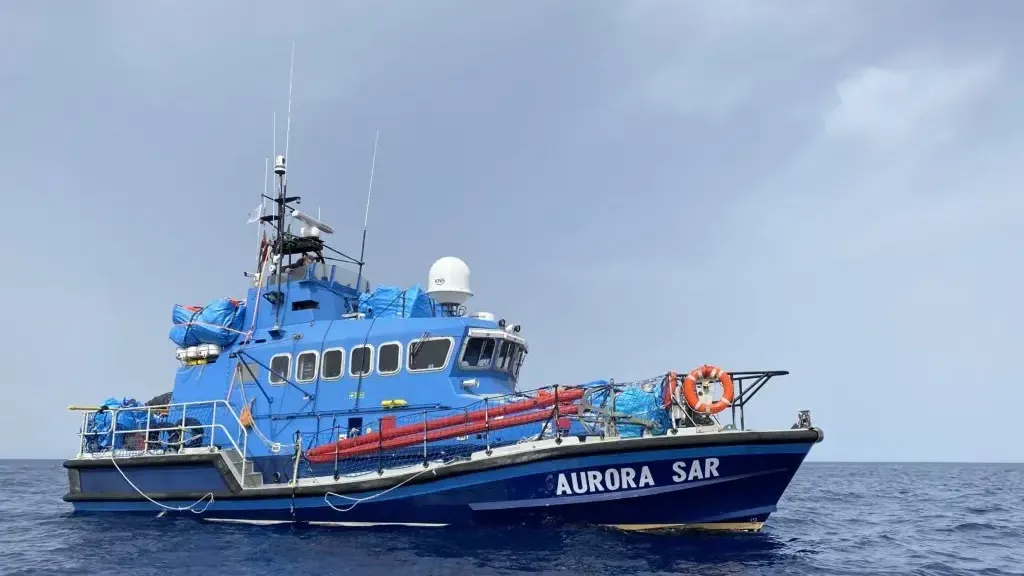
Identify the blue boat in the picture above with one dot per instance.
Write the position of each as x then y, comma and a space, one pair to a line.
320, 399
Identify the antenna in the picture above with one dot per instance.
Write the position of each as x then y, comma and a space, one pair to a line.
288, 128
366, 218
282, 198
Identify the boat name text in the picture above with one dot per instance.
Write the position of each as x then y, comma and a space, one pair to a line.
612, 479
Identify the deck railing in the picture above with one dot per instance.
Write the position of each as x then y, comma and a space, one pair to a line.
350, 443
354, 446
170, 428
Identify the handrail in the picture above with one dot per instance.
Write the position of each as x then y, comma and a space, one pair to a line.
176, 423
420, 436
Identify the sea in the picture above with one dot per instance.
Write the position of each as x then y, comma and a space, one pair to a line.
851, 519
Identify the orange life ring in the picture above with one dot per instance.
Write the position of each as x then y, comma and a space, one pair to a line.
707, 372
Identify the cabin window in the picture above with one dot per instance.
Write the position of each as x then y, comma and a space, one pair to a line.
510, 358
389, 358
306, 365
280, 366
361, 361
479, 353
504, 356
517, 362
332, 365
428, 355
246, 372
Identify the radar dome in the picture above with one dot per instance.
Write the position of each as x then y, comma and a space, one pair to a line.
448, 281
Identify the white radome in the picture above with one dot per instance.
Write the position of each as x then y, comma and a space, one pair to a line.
448, 281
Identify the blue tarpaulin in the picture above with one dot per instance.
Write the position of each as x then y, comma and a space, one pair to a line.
393, 302
219, 322
642, 401
99, 426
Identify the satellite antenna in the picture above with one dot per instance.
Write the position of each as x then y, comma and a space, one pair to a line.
449, 285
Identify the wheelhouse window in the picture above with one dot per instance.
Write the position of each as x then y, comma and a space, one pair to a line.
361, 361
280, 366
389, 358
517, 362
306, 365
430, 354
510, 358
479, 353
332, 365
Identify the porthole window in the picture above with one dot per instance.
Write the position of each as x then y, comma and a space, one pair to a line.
389, 358
360, 361
306, 365
280, 366
332, 365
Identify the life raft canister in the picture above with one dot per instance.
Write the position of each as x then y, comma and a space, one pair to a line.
701, 402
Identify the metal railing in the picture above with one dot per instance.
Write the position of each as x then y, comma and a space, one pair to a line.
170, 428
353, 445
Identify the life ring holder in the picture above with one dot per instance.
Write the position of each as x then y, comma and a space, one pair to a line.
697, 400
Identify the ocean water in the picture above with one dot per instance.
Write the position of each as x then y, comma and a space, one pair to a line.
940, 519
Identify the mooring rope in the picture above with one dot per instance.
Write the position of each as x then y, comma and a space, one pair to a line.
191, 507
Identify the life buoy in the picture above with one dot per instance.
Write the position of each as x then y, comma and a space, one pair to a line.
700, 403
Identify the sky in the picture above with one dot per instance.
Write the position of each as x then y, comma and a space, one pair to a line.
827, 187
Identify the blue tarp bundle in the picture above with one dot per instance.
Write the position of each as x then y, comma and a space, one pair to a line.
99, 424
219, 322
393, 302
635, 401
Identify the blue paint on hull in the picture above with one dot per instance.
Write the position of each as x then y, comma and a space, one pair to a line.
663, 486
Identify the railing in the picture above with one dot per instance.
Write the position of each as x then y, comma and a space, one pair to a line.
356, 446
353, 446
171, 428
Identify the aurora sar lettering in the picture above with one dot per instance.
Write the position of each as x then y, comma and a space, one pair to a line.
625, 478
697, 470
611, 479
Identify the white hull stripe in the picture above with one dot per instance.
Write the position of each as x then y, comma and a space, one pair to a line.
340, 524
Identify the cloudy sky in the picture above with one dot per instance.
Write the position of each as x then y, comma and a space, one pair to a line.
828, 187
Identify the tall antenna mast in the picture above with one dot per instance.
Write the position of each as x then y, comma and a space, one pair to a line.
366, 218
288, 128
282, 199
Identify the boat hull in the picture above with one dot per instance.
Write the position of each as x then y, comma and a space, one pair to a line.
726, 480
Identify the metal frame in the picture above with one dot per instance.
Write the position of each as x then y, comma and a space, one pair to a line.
208, 429
743, 396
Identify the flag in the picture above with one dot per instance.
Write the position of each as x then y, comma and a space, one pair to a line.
256, 214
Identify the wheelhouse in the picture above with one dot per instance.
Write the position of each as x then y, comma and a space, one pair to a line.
490, 350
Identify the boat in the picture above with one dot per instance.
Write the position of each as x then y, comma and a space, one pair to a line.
321, 399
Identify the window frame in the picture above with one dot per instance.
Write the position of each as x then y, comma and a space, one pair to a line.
316, 366
465, 346
398, 369
373, 357
447, 359
518, 360
320, 372
271, 372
